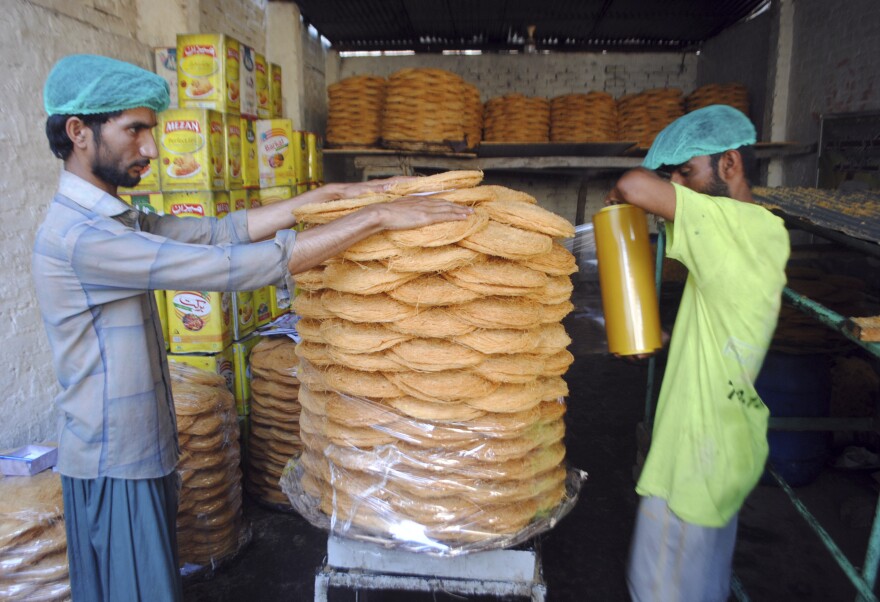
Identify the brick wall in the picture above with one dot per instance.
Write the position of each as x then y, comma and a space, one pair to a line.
34, 34
835, 62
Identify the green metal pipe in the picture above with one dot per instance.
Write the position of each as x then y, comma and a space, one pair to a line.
827, 317
872, 557
863, 587
652, 362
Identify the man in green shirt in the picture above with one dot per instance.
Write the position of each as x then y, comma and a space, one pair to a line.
709, 442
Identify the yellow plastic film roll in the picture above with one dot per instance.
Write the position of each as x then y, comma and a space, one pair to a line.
626, 277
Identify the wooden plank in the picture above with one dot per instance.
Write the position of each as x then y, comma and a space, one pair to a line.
864, 329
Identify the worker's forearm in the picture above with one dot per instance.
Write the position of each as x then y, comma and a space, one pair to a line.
264, 222
643, 188
319, 243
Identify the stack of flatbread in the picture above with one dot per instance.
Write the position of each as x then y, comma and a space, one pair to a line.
431, 368
274, 419
354, 117
641, 116
735, 95
516, 118
473, 116
33, 544
209, 521
583, 118
423, 106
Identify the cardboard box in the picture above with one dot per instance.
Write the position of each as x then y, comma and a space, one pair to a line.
248, 81
264, 100
192, 150
217, 363
199, 321
243, 313
275, 194
162, 306
313, 158
276, 153
233, 176
254, 199
241, 353
202, 203
238, 199
250, 162
301, 160
28, 460
279, 301
275, 98
262, 306
208, 72
166, 67
148, 202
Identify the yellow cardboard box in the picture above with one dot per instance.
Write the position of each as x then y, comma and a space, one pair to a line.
238, 199
148, 202
244, 314
262, 306
275, 152
208, 72
313, 158
199, 321
200, 203
192, 150
301, 160
161, 304
221, 363
254, 198
248, 81
249, 159
275, 97
264, 100
275, 194
241, 353
279, 301
234, 178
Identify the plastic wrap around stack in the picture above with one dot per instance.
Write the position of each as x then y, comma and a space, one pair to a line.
33, 544
431, 370
583, 118
640, 117
210, 528
516, 118
423, 108
274, 419
735, 95
354, 117
473, 116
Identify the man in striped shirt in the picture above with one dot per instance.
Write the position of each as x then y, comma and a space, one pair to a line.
96, 262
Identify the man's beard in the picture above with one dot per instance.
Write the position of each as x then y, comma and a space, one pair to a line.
109, 172
717, 186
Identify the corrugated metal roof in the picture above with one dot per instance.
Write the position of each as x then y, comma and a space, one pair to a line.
560, 25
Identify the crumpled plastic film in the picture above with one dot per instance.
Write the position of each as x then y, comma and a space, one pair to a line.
445, 487
210, 527
33, 544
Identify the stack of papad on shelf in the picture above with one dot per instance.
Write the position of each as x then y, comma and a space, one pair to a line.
588, 117
274, 419
210, 528
473, 116
33, 544
354, 112
424, 110
640, 117
733, 94
516, 118
431, 376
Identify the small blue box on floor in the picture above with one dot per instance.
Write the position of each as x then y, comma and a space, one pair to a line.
28, 460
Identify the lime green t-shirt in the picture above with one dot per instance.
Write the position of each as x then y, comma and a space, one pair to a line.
709, 443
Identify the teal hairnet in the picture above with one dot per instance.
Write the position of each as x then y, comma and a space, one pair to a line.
85, 84
706, 131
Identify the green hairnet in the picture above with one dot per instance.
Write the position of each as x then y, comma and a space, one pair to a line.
706, 131
85, 84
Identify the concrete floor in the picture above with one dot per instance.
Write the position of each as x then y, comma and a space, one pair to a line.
777, 558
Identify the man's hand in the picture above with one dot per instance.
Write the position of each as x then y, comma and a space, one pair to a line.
348, 191
643, 188
319, 243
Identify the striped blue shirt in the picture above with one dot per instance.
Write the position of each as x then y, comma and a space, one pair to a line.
96, 262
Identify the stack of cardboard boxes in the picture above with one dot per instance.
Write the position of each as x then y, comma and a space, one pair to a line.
223, 146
